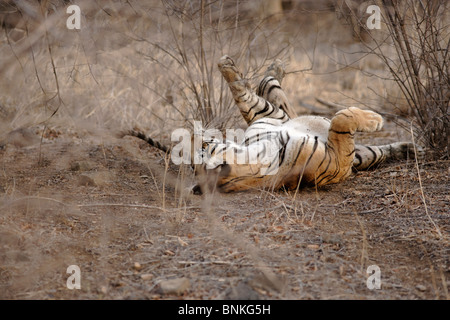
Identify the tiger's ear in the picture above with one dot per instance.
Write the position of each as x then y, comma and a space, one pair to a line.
197, 189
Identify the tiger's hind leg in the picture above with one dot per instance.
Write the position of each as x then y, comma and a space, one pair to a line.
367, 157
341, 144
252, 106
270, 88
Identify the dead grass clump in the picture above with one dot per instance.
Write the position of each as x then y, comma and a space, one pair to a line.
415, 50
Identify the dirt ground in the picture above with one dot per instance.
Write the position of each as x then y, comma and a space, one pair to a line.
74, 194
113, 209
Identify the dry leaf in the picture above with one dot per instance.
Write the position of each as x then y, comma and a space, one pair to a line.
169, 253
183, 243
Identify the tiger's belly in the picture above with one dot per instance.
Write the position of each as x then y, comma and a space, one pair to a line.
301, 156
305, 159
309, 125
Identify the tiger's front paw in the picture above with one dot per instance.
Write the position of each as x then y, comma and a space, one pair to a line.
229, 70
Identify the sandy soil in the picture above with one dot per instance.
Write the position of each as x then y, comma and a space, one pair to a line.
118, 212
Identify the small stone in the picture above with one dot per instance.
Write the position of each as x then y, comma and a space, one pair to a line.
242, 292
137, 266
169, 253
102, 178
147, 276
22, 137
421, 287
80, 166
84, 180
332, 239
174, 286
182, 242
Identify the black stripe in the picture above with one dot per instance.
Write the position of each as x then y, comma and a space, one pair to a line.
299, 151
316, 143
253, 106
263, 123
282, 154
259, 153
247, 140
336, 172
374, 157
266, 81
343, 114
283, 108
213, 149
245, 113
358, 156
259, 92
273, 87
300, 178
350, 154
267, 106
239, 97
260, 136
342, 132
324, 171
282, 151
230, 181
295, 161
149, 140
237, 179
224, 147
324, 157
327, 152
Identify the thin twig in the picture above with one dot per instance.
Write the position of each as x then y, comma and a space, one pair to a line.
332, 105
421, 187
119, 205
218, 262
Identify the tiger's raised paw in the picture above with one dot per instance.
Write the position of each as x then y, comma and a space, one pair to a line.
276, 70
229, 70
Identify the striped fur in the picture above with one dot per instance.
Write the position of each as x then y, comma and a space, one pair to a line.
297, 151
150, 141
310, 150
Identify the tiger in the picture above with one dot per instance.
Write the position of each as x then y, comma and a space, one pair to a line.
302, 151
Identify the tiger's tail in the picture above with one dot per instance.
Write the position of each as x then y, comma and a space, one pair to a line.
150, 141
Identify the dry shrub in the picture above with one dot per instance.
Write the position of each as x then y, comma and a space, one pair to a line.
151, 64
415, 49
198, 34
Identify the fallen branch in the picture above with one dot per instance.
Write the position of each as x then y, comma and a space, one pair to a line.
218, 262
331, 105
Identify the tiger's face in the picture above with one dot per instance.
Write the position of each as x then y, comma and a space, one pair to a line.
227, 166
209, 180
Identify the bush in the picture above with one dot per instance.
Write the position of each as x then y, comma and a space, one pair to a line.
418, 33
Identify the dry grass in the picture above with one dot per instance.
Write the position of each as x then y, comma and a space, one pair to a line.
80, 196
